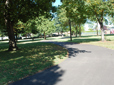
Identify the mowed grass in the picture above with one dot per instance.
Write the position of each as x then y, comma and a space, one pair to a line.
91, 39
29, 59
96, 40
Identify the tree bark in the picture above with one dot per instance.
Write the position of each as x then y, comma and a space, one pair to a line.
97, 29
102, 31
79, 31
12, 42
32, 36
101, 25
2, 36
44, 35
97, 32
9, 25
76, 31
58, 33
16, 37
70, 30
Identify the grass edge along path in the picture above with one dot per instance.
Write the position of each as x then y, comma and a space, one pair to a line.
30, 59
90, 39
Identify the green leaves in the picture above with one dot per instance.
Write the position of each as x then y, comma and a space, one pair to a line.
46, 25
23, 9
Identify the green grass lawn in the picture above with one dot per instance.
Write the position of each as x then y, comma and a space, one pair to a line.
96, 40
90, 39
29, 59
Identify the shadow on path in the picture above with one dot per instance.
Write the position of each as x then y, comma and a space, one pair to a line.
53, 75
47, 77
72, 51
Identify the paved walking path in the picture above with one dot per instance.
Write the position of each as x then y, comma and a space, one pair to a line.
86, 65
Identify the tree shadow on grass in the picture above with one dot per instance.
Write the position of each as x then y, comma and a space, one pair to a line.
28, 40
49, 76
28, 60
84, 40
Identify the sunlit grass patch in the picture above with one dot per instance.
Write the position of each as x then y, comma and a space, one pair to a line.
107, 44
91, 39
29, 59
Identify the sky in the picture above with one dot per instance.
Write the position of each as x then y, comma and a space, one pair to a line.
56, 3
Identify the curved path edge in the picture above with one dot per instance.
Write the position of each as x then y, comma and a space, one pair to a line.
86, 65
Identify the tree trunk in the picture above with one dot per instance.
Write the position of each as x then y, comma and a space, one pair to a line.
76, 31
32, 36
70, 30
12, 42
44, 35
102, 31
58, 33
16, 37
61, 33
79, 30
9, 25
2, 36
101, 25
97, 30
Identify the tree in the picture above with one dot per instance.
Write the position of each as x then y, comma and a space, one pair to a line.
58, 25
62, 19
31, 27
12, 10
75, 12
99, 9
18, 28
46, 26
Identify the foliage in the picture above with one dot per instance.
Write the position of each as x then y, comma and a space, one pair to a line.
31, 26
38, 26
23, 9
75, 11
46, 25
62, 18
12, 10
99, 9
19, 28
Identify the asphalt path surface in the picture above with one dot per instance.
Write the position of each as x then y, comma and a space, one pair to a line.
86, 65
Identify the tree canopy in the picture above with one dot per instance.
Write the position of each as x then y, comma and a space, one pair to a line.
12, 10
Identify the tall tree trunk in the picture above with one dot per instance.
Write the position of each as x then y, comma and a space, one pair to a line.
102, 31
32, 36
9, 25
12, 42
44, 35
101, 25
79, 30
58, 33
76, 31
97, 30
61, 33
2, 36
70, 30
16, 37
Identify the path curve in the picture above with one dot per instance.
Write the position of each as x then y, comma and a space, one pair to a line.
86, 65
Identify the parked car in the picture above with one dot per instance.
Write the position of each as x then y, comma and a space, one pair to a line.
54, 35
112, 31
